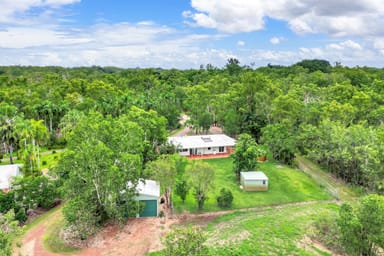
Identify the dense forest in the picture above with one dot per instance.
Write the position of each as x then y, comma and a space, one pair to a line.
332, 114
111, 120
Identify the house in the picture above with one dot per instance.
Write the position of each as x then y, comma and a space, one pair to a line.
7, 173
254, 181
203, 145
148, 192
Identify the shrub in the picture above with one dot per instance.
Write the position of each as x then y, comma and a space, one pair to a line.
185, 241
182, 189
44, 162
224, 200
327, 232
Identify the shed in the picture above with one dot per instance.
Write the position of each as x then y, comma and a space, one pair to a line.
7, 173
148, 192
254, 181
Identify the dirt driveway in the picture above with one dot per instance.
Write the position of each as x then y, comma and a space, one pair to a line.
137, 237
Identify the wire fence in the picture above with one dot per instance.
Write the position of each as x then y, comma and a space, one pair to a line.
307, 167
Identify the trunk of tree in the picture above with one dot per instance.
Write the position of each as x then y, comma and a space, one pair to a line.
10, 154
50, 124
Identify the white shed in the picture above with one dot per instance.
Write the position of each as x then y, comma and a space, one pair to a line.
7, 173
254, 181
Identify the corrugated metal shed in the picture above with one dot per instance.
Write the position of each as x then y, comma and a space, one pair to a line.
148, 192
254, 181
148, 189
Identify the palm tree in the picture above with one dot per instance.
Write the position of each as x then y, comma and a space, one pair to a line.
8, 120
40, 135
32, 135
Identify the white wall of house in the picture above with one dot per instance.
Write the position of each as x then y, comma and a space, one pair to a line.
184, 152
203, 151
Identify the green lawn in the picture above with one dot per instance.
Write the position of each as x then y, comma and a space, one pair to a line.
286, 185
267, 231
47, 159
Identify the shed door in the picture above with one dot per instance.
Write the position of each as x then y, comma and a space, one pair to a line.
150, 209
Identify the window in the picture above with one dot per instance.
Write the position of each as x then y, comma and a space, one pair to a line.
264, 182
221, 149
183, 150
209, 148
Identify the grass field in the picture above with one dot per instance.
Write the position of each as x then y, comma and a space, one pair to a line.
286, 185
270, 231
48, 159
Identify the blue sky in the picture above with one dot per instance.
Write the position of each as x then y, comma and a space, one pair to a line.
185, 34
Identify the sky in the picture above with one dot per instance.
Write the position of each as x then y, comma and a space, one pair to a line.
185, 34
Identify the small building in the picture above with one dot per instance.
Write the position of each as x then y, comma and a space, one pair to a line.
254, 181
203, 145
7, 173
148, 192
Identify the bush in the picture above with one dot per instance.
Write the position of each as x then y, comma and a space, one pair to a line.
182, 189
327, 232
224, 200
184, 242
21, 215
44, 162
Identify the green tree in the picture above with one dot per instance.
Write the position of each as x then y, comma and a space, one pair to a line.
224, 200
9, 229
280, 139
8, 133
32, 135
201, 176
315, 65
182, 189
164, 170
69, 121
188, 241
245, 155
154, 128
362, 229
103, 155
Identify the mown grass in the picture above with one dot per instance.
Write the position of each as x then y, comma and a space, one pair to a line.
52, 240
48, 159
286, 185
270, 231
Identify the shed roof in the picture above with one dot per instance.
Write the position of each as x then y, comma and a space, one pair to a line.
254, 175
148, 188
202, 141
6, 173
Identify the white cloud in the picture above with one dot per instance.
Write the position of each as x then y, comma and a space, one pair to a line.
276, 40
147, 44
240, 43
17, 11
122, 44
338, 18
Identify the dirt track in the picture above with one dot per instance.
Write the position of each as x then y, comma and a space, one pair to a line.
136, 238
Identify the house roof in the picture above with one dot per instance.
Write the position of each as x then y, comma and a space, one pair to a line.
148, 188
254, 175
202, 141
6, 173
